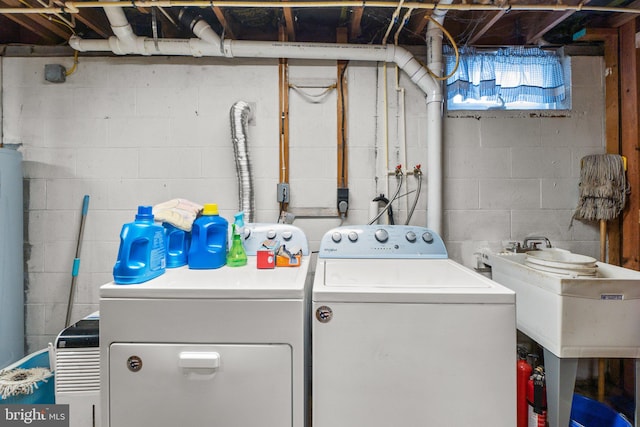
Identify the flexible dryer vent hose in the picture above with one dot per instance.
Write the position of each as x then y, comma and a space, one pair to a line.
239, 120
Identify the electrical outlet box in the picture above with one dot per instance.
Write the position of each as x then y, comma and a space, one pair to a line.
283, 192
343, 200
55, 73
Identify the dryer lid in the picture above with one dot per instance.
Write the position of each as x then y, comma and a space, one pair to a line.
245, 282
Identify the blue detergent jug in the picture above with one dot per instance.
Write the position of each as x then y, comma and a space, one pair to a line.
208, 240
141, 256
177, 243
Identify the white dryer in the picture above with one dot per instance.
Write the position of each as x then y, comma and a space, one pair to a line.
221, 348
404, 336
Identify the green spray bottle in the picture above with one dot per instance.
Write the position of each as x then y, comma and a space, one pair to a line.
237, 257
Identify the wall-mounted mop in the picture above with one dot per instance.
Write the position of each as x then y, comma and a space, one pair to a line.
603, 191
603, 194
76, 260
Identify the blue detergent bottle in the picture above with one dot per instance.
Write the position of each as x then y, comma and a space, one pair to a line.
177, 242
141, 256
208, 240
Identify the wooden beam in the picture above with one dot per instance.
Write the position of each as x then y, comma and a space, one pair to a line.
290, 22
341, 83
629, 142
228, 31
609, 37
620, 19
356, 21
418, 22
554, 18
33, 27
57, 29
95, 20
492, 18
283, 125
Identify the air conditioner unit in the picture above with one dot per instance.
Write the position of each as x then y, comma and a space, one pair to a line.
77, 371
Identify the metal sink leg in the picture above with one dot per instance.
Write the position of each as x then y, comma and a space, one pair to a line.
560, 375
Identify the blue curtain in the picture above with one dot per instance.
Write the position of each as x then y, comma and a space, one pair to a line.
508, 74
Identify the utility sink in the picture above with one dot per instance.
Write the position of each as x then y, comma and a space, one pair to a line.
572, 317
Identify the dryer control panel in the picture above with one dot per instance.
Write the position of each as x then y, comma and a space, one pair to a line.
285, 234
382, 241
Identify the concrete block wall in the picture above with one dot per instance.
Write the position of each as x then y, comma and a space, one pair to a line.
509, 175
130, 131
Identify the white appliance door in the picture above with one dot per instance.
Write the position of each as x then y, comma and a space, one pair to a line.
200, 385
414, 365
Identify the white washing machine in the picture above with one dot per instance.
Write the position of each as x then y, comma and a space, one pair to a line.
404, 336
222, 348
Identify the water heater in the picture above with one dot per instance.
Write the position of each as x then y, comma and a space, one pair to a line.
11, 258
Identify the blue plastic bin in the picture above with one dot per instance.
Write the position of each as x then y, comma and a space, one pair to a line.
45, 392
587, 412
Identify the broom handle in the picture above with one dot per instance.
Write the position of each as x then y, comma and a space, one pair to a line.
603, 240
76, 260
601, 361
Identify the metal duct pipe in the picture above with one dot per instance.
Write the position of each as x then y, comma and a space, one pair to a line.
295, 50
239, 118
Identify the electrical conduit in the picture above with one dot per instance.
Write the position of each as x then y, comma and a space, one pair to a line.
209, 44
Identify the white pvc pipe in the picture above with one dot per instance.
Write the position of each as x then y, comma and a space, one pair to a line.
435, 182
209, 44
262, 49
434, 166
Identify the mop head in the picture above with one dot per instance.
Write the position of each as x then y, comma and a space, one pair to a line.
603, 187
21, 381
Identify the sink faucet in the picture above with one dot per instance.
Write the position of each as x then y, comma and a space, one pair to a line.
531, 243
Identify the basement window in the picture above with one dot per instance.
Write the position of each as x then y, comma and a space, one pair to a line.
511, 78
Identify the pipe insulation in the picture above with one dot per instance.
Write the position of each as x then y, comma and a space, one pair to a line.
239, 119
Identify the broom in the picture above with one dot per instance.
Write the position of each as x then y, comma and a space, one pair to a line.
603, 193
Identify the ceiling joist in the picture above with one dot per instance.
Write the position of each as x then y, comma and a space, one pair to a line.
418, 22
228, 31
548, 24
32, 26
356, 20
619, 20
290, 23
59, 30
491, 18
95, 20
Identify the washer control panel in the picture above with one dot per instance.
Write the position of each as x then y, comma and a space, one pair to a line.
382, 241
284, 234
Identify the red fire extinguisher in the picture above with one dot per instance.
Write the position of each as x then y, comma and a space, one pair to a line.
524, 370
537, 398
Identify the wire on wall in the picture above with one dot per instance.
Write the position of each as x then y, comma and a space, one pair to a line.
455, 49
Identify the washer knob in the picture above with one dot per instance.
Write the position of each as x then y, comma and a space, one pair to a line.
271, 234
287, 235
247, 233
353, 236
381, 235
411, 236
427, 237
336, 237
